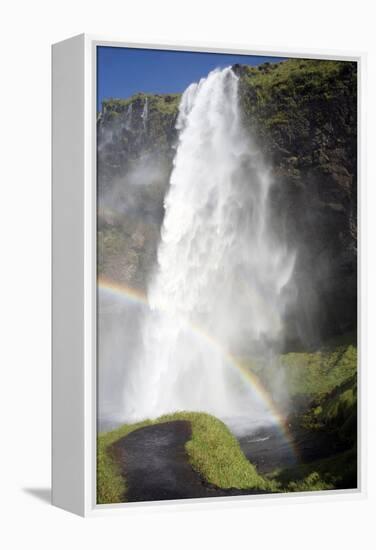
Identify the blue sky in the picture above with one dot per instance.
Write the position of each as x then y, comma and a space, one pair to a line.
122, 72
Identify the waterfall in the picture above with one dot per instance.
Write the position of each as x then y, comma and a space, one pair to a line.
221, 269
128, 117
145, 112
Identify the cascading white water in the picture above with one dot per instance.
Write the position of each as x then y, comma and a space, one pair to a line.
221, 272
145, 112
128, 117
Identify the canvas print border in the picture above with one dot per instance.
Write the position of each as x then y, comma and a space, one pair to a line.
90, 281
227, 51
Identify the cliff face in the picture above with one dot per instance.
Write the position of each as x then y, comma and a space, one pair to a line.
135, 153
130, 128
302, 113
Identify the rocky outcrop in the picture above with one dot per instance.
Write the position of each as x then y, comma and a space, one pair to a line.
143, 125
135, 151
303, 115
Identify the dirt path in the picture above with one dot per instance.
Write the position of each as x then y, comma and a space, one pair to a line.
156, 466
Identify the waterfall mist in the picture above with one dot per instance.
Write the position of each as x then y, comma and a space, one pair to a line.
219, 287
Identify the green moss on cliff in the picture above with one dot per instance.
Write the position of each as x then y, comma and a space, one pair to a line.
293, 102
165, 103
335, 472
317, 373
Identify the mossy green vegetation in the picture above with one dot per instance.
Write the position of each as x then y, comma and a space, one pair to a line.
215, 453
326, 383
311, 375
335, 412
335, 472
132, 128
291, 98
162, 110
322, 393
317, 373
212, 451
165, 103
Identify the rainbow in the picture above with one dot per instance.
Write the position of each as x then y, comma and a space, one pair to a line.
137, 296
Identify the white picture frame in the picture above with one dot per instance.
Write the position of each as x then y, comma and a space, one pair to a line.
74, 278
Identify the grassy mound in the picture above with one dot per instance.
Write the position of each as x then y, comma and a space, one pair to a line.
213, 452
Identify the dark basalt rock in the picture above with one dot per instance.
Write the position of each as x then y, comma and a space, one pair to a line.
239, 69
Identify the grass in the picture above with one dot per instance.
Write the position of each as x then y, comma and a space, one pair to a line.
326, 377
317, 373
302, 72
166, 103
334, 472
336, 412
296, 106
313, 375
212, 451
